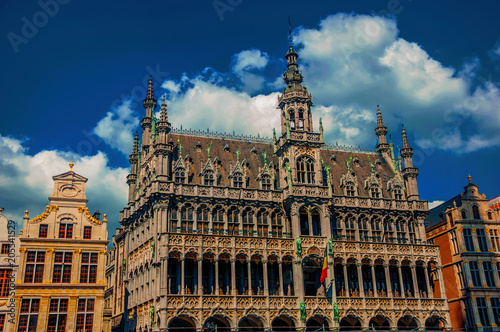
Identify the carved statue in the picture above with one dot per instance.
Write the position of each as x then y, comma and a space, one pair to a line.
321, 291
289, 290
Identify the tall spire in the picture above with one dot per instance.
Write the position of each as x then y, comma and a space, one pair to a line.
409, 173
150, 102
163, 113
383, 148
405, 139
380, 122
135, 147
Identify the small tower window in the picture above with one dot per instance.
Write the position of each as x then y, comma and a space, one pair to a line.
350, 190
305, 170
266, 182
238, 180
374, 192
208, 178
490, 216
464, 214
301, 119
292, 119
398, 193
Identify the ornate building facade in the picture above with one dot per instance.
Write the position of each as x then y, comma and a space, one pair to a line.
467, 231
232, 231
9, 260
60, 281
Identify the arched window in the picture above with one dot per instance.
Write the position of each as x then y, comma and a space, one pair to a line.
464, 214
247, 218
238, 180
304, 221
376, 231
305, 170
180, 175
301, 119
388, 231
475, 212
173, 219
374, 192
350, 228
218, 220
277, 224
316, 223
363, 229
202, 218
262, 223
350, 190
208, 178
266, 182
398, 193
292, 119
232, 221
490, 216
187, 219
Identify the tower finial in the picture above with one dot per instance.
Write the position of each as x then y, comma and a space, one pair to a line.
380, 122
470, 178
163, 113
135, 148
405, 138
71, 164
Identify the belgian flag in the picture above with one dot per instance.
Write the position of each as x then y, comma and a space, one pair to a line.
324, 271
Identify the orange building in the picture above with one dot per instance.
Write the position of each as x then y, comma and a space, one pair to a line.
467, 232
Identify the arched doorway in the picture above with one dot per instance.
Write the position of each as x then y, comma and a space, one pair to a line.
316, 323
182, 324
350, 323
434, 323
221, 323
311, 269
407, 323
379, 323
251, 324
283, 324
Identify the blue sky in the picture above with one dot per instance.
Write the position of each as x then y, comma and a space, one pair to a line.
73, 78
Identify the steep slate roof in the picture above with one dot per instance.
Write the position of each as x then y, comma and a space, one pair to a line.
434, 214
255, 161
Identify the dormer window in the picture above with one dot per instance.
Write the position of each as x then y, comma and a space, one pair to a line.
238, 180
350, 189
374, 192
305, 170
180, 175
398, 193
208, 178
292, 119
266, 182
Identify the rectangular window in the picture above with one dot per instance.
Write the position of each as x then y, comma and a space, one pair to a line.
454, 242
88, 271
474, 271
66, 231
62, 267
34, 266
87, 232
5, 248
481, 239
43, 230
85, 315
2, 322
28, 316
5, 282
495, 306
483, 311
469, 245
488, 274
58, 312
495, 244
460, 274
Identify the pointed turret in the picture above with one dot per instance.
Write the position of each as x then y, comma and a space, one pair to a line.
162, 150
147, 122
383, 148
132, 177
163, 126
409, 172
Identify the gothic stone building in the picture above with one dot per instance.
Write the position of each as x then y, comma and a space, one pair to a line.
232, 231
60, 280
467, 231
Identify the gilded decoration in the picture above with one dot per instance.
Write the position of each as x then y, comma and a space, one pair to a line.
45, 214
86, 213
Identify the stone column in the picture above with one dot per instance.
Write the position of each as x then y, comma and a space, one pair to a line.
430, 293
441, 282
249, 264
183, 265
309, 220
210, 222
233, 276
416, 292
346, 280
216, 262
468, 275
481, 273
266, 281
280, 269
360, 280
401, 281
195, 220
388, 280
331, 273
374, 281
49, 261
200, 275
490, 311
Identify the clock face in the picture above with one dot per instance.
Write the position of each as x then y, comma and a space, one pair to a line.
68, 190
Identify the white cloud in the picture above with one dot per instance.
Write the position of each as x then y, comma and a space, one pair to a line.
26, 180
433, 204
116, 128
247, 61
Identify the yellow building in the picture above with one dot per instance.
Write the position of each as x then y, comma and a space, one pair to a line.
60, 281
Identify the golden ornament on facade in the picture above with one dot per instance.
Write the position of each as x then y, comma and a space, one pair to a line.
45, 214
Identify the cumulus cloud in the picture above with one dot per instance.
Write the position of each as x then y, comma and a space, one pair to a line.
116, 128
433, 204
27, 180
350, 64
